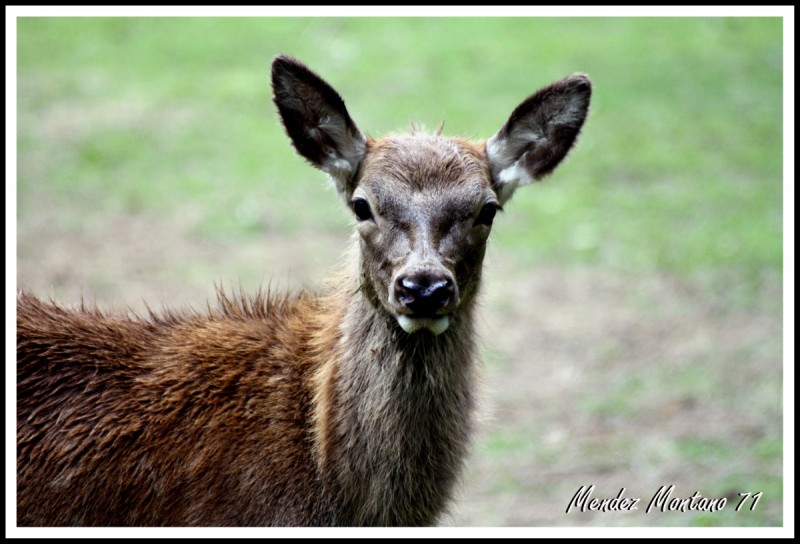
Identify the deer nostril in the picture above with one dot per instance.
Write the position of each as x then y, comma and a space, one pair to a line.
423, 295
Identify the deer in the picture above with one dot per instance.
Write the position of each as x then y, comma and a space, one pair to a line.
353, 405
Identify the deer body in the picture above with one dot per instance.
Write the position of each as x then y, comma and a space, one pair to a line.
353, 407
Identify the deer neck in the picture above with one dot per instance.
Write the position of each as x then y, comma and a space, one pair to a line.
392, 411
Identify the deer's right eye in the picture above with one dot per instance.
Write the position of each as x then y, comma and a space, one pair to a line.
361, 209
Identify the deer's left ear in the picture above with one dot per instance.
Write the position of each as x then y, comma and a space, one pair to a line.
538, 134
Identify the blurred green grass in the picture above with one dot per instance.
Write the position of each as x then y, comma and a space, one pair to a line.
678, 170
679, 167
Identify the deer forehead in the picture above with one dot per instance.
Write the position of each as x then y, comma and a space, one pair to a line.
420, 171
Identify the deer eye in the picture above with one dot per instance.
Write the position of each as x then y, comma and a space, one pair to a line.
361, 209
487, 213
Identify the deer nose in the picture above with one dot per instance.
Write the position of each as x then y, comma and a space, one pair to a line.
425, 295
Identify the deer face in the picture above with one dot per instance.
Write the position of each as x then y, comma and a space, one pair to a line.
424, 204
424, 207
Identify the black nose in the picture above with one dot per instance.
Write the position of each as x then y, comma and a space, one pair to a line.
424, 295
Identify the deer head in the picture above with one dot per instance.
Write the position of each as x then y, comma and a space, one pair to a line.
424, 204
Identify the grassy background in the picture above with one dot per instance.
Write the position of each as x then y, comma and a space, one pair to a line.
169, 123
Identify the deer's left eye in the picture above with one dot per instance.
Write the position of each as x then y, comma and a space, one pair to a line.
487, 213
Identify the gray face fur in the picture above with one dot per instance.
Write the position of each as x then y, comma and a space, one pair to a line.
425, 195
424, 204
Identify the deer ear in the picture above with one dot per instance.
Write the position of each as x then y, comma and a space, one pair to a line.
538, 134
317, 121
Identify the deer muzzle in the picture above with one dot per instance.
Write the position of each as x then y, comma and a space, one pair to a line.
424, 300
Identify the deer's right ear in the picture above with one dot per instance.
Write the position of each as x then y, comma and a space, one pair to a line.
538, 134
317, 122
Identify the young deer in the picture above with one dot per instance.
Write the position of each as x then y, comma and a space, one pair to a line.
350, 408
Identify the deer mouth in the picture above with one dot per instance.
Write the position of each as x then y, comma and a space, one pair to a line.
424, 300
436, 324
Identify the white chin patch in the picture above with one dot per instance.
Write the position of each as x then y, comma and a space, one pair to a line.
437, 325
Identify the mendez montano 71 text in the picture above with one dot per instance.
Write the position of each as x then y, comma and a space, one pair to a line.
663, 500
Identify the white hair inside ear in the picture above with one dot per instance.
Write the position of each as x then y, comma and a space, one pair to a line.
508, 172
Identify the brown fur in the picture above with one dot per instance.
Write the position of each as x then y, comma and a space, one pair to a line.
171, 420
290, 410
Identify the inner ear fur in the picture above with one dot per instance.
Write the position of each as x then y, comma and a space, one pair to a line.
316, 120
538, 134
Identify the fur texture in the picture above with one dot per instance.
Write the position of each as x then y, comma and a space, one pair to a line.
345, 408
276, 411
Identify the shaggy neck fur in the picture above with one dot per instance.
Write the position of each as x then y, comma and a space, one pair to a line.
392, 411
